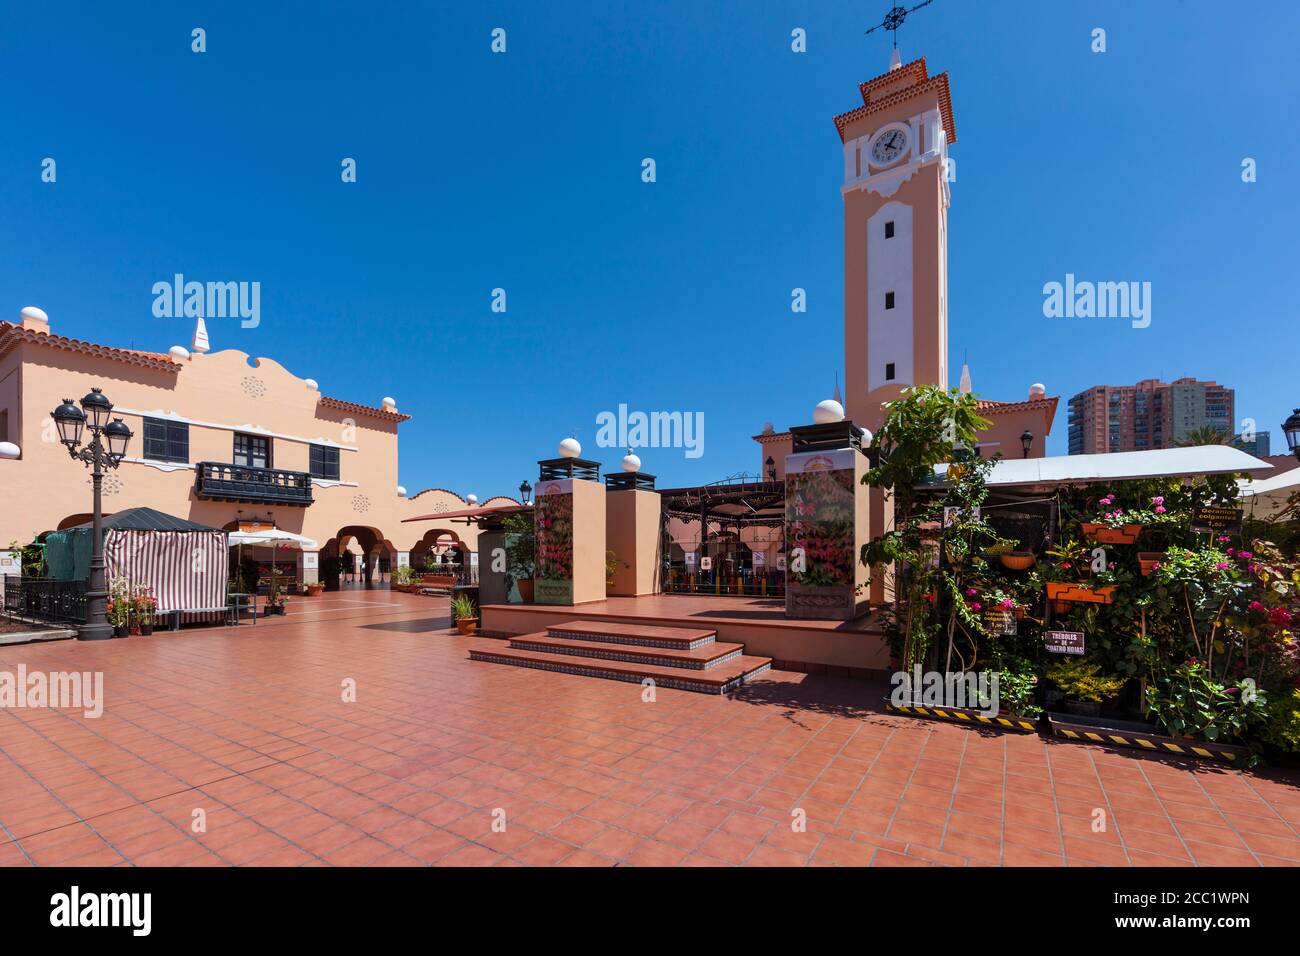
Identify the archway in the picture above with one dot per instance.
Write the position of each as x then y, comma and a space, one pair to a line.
357, 556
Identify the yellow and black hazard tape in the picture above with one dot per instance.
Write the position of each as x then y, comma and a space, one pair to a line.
963, 715
1150, 742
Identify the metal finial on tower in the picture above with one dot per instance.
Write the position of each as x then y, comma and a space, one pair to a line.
895, 17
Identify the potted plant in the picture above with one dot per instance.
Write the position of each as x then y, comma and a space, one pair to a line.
276, 599
464, 613
143, 608
313, 588
521, 552
403, 578
1082, 685
118, 611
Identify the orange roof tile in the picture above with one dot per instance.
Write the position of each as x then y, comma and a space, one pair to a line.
11, 335
921, 83
339, 405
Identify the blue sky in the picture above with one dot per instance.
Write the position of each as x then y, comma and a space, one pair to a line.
522, 171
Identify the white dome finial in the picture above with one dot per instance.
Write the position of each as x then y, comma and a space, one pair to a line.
631, 462
964, 387
827, 412
570, 448
895, 61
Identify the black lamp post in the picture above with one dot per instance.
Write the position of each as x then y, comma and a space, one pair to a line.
771, 468
106, 449
1026, 441
525, 491
1291, 428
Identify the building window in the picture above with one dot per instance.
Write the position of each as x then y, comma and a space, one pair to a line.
166, 441
889, 371
889, 300
325, 462
252, 451
889, 229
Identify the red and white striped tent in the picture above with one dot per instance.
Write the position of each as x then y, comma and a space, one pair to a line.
184, 564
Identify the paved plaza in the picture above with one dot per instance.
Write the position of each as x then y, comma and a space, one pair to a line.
443, 761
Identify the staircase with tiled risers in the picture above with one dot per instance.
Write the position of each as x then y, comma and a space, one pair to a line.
675, 657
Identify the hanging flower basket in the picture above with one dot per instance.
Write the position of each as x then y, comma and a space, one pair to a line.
1126, 534
1071, 593
1018, 560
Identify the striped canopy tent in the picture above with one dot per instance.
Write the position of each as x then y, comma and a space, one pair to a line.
183, 563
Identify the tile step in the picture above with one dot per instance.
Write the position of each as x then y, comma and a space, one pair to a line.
707, 657
715, 680
641, 635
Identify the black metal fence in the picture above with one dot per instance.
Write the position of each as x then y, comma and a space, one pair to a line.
55, 602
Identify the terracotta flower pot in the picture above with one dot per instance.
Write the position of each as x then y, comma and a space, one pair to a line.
467, 625
1128, 534
1082, 593
525, 586
1148, 560
1018, 560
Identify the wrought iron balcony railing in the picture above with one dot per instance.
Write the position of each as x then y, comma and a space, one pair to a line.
55, 602
220, 481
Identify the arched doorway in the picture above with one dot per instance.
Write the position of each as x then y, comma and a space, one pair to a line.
357, 556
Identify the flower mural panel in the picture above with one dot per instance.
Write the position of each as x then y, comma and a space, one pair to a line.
553, 514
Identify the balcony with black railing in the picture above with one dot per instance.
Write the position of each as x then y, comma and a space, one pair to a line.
221, 481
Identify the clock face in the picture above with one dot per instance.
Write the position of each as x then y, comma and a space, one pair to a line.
888, 146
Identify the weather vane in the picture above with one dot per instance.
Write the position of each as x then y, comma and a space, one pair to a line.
895, 17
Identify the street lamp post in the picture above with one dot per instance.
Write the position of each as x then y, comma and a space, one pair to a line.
105, 449
1291, 428
1026, 441
525, 491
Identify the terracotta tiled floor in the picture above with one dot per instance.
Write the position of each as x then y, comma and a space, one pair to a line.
248, 725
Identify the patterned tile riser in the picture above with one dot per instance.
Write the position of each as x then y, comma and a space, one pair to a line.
628, 657
634, 641
579, 670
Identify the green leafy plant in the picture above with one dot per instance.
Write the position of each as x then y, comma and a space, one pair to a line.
521, 545
1083, 680
404, 575
1282, 721
462, 608
1189, 701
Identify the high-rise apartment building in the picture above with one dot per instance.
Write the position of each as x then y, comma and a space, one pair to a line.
1150, 414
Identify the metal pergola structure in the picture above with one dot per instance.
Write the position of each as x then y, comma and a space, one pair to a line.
734, 503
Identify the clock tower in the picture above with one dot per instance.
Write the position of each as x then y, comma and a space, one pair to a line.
895, 237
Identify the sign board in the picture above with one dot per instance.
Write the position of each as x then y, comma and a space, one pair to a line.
999, 621
690, 559
403, 559
1063, 642
1217, 518
760, 560
311, 559
951, 514
706, 564
780, 562
11, 563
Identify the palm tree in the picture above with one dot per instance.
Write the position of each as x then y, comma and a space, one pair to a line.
1205, 435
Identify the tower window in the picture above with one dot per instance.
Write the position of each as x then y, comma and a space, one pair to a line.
889, 371
889, 300
889, 229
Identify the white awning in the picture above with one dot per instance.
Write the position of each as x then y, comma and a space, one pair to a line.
1117, 466
1265, 497
272, 536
